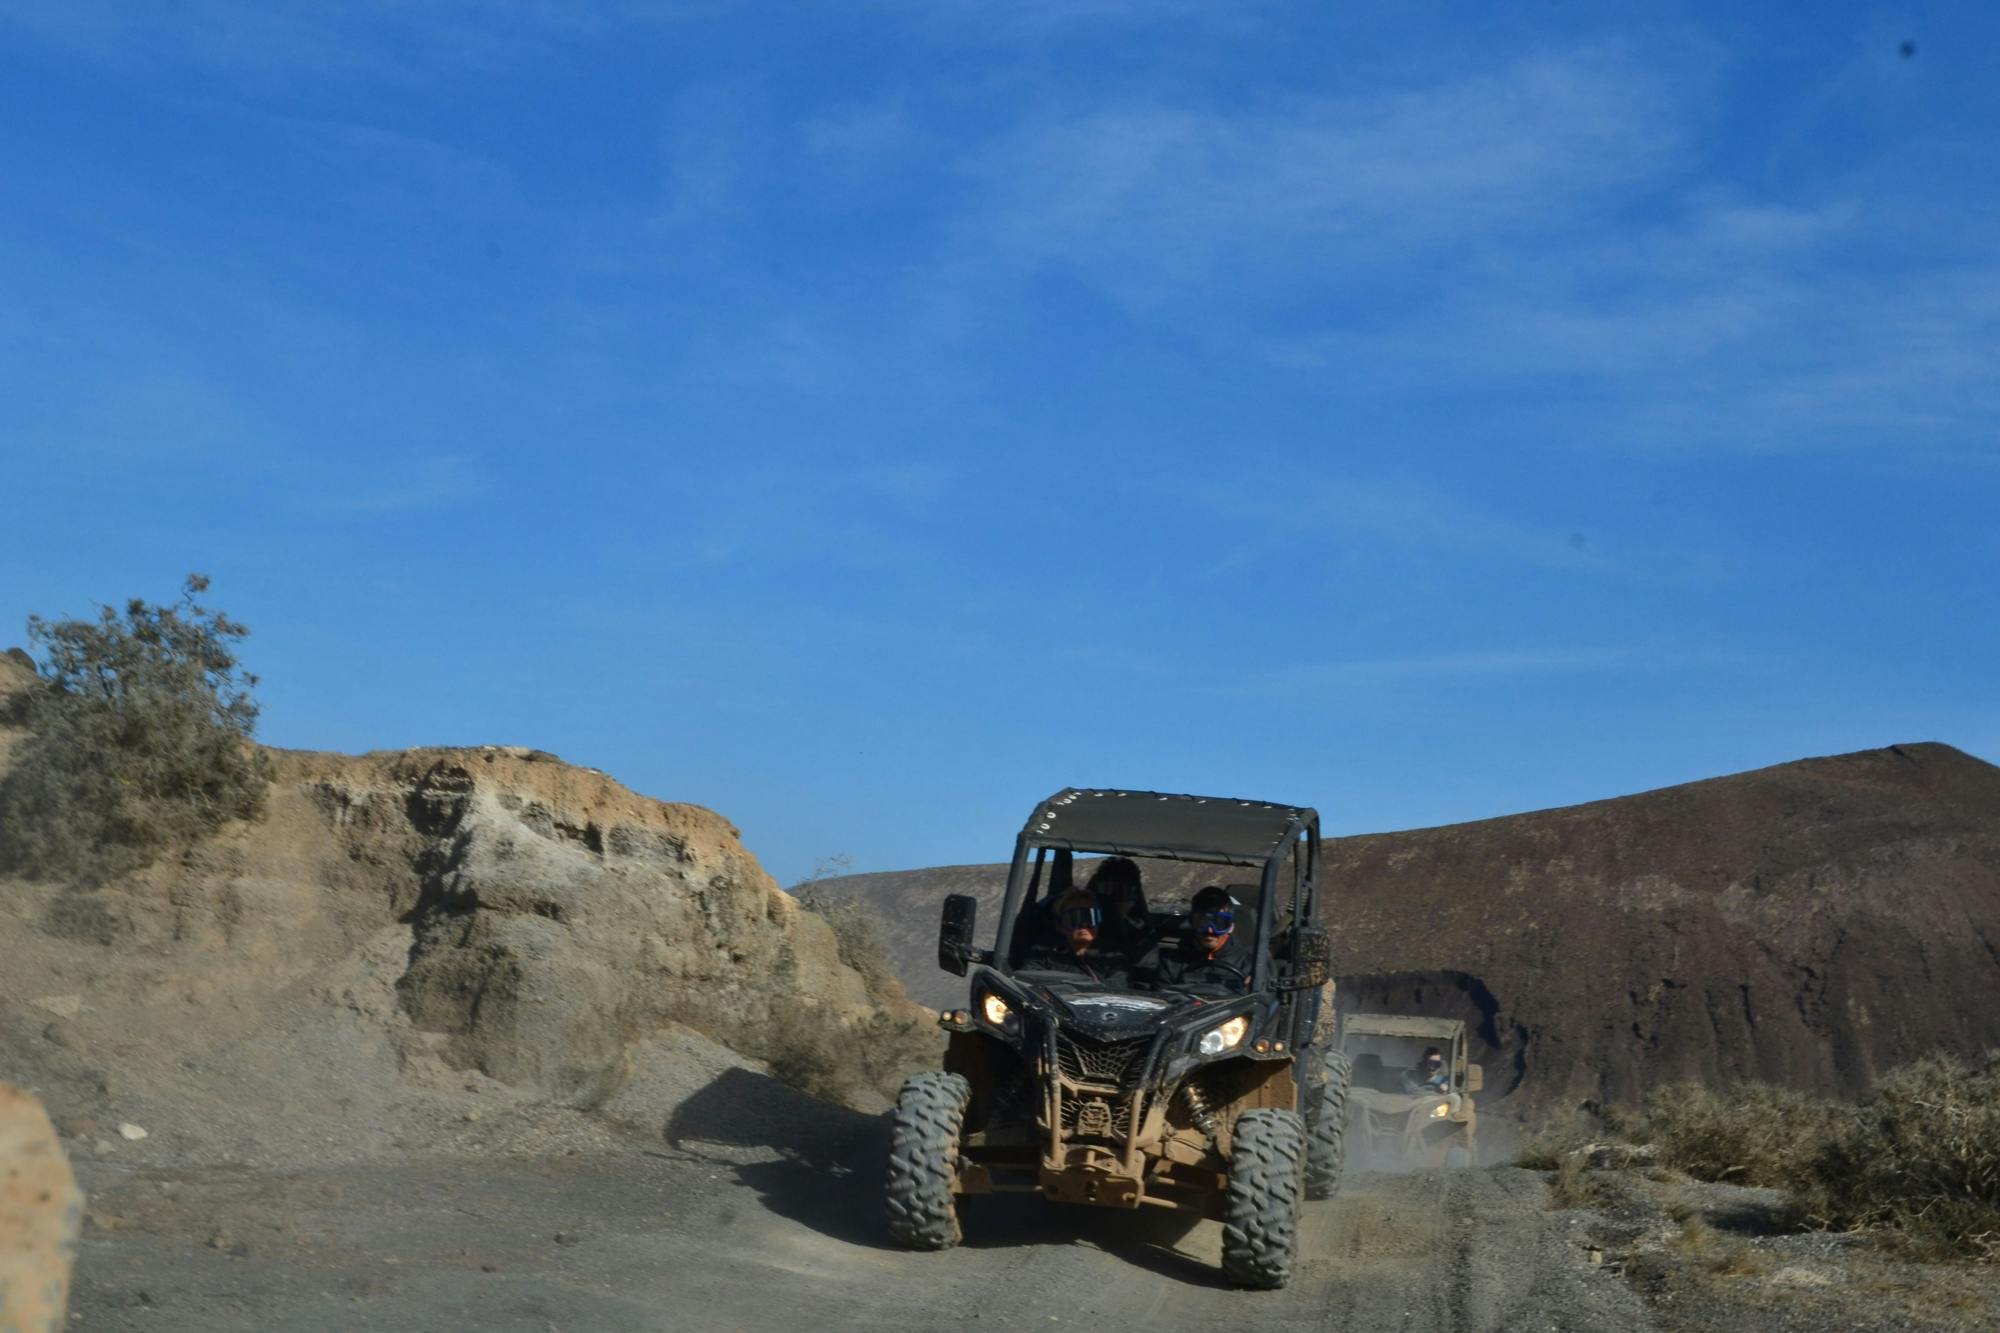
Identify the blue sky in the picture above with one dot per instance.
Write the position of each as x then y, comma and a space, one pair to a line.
865, 418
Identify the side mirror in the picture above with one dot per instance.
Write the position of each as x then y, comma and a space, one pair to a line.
1475, 1078
955, 951
1312, 959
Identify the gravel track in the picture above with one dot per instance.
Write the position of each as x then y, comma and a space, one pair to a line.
757, 1208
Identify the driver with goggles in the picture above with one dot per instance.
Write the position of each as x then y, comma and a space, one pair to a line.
1429, 1076
1211, 952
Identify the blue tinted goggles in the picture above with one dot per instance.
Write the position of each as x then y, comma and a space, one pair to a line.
1076, 918
1216, 921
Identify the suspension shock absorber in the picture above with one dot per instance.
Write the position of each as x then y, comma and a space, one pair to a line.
1198, 1108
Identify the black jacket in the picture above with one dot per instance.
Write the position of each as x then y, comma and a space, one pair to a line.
1187, 964
1416, 1082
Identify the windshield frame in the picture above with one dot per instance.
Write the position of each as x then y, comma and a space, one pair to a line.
1033, 860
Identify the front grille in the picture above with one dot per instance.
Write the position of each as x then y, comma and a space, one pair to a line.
1086, 1116
1111, 1064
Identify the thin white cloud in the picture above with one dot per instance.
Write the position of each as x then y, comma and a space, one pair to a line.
1157, 199
1737, 325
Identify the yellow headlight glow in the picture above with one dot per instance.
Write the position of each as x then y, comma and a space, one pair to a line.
995, 1009
1441, 1110
1224, 1036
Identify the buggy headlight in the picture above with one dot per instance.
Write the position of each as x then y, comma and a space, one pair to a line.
996, 1011
1441, 1110
1223, 1036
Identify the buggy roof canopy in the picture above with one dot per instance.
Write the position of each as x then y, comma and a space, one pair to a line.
1401, 1025
1151, 823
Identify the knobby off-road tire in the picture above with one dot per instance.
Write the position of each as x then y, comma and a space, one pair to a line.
1260, 1211
1326, 1131
923, 1160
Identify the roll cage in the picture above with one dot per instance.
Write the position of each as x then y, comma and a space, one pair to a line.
1280, 842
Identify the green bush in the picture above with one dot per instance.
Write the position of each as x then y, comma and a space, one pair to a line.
138, 739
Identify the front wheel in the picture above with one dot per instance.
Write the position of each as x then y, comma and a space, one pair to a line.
1326, 1134
1260, 1214
923, 1160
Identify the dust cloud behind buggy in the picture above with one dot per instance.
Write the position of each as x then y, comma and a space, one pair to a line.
1394, 1122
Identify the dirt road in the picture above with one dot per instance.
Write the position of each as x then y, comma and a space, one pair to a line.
754, 1207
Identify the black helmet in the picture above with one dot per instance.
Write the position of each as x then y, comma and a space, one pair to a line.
1214, 898
1116, 880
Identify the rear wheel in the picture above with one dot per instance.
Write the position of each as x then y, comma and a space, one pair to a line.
1326, 1136
1260, 1217
923, 1160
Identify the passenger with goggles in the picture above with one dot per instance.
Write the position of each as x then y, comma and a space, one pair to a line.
1079, 922
1211, 952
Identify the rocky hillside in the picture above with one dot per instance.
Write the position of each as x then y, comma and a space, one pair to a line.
1808, 924
403, 943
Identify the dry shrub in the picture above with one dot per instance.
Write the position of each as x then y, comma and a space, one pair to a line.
858, 932
1751, 1134
138, 738
818, 1053
1547, 1147
1920, 1159
1539, 1153
1699, 1244
1573, 1185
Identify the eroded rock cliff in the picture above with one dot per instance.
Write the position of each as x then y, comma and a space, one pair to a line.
396, 932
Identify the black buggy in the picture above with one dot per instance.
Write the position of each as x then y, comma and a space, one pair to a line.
1137, 1085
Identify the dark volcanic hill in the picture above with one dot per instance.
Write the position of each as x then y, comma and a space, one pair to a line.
1808, 924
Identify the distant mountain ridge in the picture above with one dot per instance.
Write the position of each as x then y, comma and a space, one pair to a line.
1809, 924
